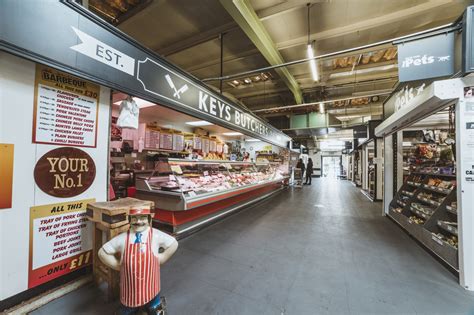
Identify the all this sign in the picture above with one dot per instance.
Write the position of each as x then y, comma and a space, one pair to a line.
426, 58
60, 240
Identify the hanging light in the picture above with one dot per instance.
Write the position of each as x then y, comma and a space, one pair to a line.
310, 51
321, 108
312, 63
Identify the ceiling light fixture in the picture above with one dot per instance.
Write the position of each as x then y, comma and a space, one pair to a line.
234, 133
310, 52
199, 123
140, 102
252, 140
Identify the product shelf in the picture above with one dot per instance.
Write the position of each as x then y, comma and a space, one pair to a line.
421, 214
434, 174
401, 203
414, 184
452, 210
431, 202
437, 189
407, 193
447, 227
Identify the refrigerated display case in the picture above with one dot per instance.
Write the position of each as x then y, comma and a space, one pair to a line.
184, 191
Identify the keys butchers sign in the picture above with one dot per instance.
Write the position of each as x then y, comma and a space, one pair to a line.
88, 47
426, 58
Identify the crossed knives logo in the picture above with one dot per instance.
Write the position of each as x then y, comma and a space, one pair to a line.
177, 92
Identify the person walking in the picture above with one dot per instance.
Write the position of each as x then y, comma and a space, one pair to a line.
309, 172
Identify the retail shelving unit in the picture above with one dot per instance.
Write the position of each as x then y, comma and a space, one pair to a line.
425, 206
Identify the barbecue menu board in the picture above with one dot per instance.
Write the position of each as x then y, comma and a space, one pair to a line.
178, 142
65, 109
166, 141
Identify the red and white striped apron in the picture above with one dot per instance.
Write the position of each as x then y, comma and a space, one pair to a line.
139, 273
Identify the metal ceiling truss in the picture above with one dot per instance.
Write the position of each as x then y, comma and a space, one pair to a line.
245, 16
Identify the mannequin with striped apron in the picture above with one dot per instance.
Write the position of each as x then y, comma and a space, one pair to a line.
139, 273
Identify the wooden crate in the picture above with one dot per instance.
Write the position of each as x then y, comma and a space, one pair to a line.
114, 214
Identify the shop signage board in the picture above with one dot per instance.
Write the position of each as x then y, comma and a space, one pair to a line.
60, 240
360, 132
65, 109
6, 175
65, 172
429, 57
88, 47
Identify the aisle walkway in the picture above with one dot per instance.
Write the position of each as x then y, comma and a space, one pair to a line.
323, 249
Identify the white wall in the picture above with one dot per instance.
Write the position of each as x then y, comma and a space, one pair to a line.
16, 123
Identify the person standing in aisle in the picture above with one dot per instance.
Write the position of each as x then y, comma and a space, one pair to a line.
309, 172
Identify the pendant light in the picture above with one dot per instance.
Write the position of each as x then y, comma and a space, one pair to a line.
310, 51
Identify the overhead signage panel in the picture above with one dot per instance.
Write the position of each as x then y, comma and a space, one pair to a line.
88, 47
429, 57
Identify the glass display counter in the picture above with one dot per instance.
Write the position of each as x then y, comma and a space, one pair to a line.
201, 187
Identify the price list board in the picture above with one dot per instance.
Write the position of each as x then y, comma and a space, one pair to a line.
178, 142
65, 109
166, 141
212, 146
152, 139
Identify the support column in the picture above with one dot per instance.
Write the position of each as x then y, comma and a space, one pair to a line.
465, 189
388, 173
379, 167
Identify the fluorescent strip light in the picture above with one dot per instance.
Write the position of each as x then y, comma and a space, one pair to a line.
321, 108
199, 123
141, 103
252, 140
232, 134
312, 64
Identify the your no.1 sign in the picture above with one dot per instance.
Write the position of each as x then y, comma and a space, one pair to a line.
65, 172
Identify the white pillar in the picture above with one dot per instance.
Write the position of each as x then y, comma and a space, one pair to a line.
379, 144
388, 173
465, 190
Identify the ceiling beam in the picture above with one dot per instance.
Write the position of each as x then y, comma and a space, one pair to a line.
233, 58
197, 39
283, 8
247, 19
366, 24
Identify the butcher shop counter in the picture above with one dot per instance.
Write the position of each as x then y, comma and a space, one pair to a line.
190, 194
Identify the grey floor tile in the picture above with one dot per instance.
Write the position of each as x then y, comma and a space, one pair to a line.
323, 249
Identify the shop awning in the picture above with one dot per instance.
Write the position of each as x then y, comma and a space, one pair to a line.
434, 97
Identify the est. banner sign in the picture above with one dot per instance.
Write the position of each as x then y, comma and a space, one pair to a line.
425, 58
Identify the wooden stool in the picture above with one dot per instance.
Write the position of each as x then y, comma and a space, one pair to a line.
110, 219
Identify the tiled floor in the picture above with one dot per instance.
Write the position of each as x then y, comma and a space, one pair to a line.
322, 249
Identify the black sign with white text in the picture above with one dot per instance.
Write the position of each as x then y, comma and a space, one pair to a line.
429, 57
88, 47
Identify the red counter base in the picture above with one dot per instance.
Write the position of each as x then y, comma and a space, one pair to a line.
178, 222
